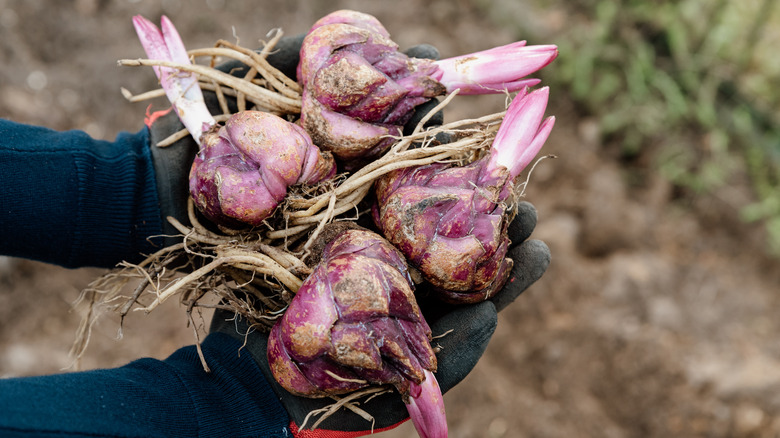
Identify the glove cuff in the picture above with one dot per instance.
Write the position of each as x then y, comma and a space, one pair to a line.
390, 414
326, 433
172, 167
234, 398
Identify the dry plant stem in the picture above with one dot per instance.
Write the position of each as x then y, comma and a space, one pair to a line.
276, 35
148, 95
524, 184
197, 226
107, 288
260, 96
257, 262
337, 377
289, 232
207, 84
257, 61
399, 156
489, 119
346, 402
183, 133
158, 271
284, 258
301, 213
443, 334
262, 259
482, 126
230, 236
321, 202
340, 206
223, 105
240, 101
241, 98
326, 218
241, 304
246, 284
394, 164
177, 285
248, 260
195, 331
198, 237
354, 408
386, 164
201, 234
436, 109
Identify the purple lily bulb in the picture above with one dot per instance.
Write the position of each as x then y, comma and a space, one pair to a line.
243, 169
359, 90
355, 322
451, 221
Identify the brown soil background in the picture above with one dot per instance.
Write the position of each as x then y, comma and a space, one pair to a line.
657, 317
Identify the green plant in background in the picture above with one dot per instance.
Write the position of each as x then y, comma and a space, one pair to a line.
697, 79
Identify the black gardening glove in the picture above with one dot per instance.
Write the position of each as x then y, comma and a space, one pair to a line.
473, 324
468, 327
172, 163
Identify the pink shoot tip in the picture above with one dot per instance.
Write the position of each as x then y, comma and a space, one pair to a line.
181, 87
522, 132
497, 70
426, 408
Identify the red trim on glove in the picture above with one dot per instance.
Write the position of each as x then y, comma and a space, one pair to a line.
152, 117
324, 433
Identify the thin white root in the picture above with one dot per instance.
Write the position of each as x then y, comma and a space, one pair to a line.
260, 96
255, 262
349, 402
524, 184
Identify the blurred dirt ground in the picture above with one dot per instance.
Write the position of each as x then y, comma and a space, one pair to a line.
657, 317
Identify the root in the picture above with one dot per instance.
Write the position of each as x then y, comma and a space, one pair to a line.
196, 333
473, 136
524, 184
243, 274
262, 97
348, 402
264, 85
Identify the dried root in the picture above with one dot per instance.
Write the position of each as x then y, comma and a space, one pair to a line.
473, 136
262, 88
349, 402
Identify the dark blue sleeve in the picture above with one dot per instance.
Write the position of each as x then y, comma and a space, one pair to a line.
149, 398
74, 201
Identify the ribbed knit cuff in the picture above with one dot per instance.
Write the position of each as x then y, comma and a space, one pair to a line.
233, 399
118, 211
74, 201
149, 398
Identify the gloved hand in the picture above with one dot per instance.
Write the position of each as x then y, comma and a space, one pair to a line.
469, 329
172, 163
473, 325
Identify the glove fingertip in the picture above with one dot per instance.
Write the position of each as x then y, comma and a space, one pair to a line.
286, 55
534, 250
423, 51
531, 260
466, 332
524, 222
420, 112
